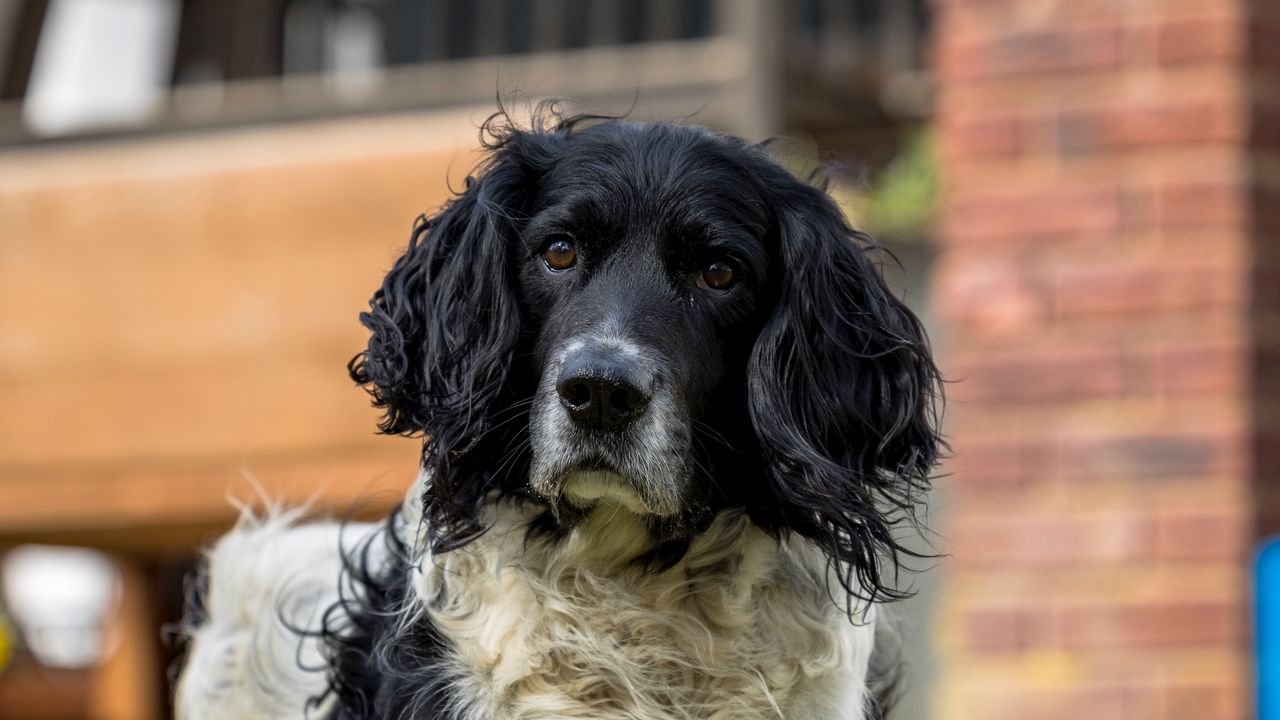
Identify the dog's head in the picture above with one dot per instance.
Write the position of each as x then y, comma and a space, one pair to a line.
663, 319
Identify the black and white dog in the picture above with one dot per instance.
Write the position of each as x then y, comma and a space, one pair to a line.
673, 420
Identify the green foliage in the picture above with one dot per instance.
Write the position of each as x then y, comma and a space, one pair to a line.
904, 195
900, 201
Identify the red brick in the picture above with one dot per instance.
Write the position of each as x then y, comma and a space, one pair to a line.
1264, 51
1063, 374
1266, 369
1153, 624
1266, 452
1029, 537
1265, 207
1158, 454
1138, 205
1104, 701
1031, 51
1265, 125
1267, 491
1213, 38
990, 465
1266, 297
1186, 205
1202, 535
941, 6
994, 11
1006, 629
1021, 215
999, 465
1216, 367
1177, 121
1223, 701
990, 295
998, 136
1145, 286
1074, 371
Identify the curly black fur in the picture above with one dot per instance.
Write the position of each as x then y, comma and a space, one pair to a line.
824, 411
378, 665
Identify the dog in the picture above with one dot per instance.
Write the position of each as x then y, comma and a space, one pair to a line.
673, 422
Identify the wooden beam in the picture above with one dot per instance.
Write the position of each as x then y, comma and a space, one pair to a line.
179, 313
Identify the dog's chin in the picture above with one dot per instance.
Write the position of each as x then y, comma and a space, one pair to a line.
581, 483
592, 488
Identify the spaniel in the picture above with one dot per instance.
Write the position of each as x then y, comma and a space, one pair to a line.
673, 421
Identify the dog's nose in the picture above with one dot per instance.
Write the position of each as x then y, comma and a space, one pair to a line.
603, 394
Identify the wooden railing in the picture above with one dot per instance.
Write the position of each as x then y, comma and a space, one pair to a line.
737, 64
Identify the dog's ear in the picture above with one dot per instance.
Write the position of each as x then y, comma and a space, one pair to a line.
445, 324
844, 395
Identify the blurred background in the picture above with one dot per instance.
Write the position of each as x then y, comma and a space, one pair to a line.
197, 197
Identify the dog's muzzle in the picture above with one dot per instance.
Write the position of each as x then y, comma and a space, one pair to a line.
605, 427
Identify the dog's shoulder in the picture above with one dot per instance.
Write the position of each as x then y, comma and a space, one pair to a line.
257, 606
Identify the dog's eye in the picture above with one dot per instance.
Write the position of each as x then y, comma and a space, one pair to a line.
717, 275
560, 254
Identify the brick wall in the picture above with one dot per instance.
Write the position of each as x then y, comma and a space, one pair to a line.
1109, 287
1264, 154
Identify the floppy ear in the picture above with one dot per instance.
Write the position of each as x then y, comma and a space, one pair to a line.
843, 396
445, 323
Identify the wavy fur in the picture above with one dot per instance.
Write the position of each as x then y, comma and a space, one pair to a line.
720, 557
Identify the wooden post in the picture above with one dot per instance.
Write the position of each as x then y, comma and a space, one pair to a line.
128, 684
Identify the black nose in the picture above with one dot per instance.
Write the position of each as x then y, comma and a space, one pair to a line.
601, 393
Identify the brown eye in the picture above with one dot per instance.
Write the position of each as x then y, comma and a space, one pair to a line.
718, 276
560, 254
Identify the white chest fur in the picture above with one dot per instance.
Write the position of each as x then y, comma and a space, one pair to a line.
742, 627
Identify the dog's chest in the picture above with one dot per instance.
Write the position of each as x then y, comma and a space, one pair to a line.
741, 628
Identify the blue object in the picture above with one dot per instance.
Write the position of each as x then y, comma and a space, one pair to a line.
1268, 629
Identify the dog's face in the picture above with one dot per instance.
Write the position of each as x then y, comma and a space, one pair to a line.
659, 318
642, 273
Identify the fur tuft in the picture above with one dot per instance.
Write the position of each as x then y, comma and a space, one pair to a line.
263, 581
